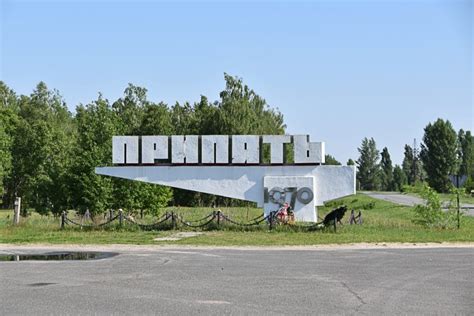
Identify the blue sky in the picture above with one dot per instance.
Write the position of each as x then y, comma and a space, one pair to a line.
337, 70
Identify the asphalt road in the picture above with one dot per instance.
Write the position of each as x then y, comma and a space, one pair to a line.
409, 200
235, 281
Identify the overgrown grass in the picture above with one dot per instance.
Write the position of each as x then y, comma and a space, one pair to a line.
383, 222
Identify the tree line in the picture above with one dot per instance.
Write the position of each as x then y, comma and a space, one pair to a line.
442, 153
48, 154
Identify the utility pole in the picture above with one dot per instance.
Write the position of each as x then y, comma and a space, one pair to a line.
458, 181
415, 161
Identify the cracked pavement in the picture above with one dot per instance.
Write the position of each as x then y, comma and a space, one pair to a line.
243, 281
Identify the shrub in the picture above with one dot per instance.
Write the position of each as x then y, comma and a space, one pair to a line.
417, 188
368, 206
431, 214
469, 185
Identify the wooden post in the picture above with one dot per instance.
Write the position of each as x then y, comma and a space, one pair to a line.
63, 219
173, 220
16, 214
111, 214
459, 208
218, 218
120, 217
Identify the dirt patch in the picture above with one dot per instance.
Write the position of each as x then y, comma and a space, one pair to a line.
179, 236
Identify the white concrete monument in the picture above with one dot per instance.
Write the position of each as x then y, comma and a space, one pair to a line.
232, 166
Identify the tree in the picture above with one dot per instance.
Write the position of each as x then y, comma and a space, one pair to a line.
350, 162
367, 165
386, 174
466, 160
412, 165
438, 153
96, 124
131, 114
41, 148
242, 111
407, 164
239, 111
8, 117
330, 160
399, 178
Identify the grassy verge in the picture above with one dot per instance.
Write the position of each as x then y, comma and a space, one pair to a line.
383, 222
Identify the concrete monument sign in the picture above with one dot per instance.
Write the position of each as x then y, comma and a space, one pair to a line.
232, 166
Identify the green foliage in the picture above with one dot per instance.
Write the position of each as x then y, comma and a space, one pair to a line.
439, 154
350, 162
368, 168
399, 178
41, 151
96, 124
469, 185
330, 160
386, 174
417, 188
8, 118
431, 214
412, 165
465, 153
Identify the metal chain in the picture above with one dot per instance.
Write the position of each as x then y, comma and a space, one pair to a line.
196, 221
161, 221
210, 218
242, 224
70, 221
197, 226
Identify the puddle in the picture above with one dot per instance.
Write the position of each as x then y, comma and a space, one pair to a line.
57, 256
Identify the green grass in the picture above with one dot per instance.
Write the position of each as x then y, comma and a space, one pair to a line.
383, 222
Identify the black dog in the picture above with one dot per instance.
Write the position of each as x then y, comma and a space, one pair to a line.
335, 215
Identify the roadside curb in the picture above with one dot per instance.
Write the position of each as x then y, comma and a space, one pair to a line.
127, 248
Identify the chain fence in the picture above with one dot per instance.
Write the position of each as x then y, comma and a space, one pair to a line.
173, 220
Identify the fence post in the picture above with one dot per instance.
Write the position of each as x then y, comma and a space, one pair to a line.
111, 214
16, 214
218, 218
173, 219
271, 220
63, 219
120, 217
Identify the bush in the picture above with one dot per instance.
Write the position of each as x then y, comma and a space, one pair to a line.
431, 214
469, 185
417, 188
368, 206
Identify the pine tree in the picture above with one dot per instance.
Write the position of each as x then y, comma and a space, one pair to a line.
386, 174
412, 165
465, 152
330, 160
367, 165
